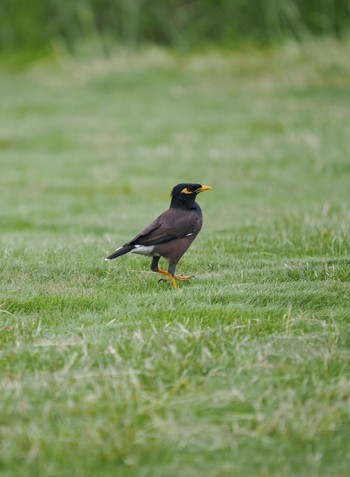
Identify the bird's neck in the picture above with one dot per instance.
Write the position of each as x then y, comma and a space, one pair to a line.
184, 205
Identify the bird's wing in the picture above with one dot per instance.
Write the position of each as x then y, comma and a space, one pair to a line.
170, 225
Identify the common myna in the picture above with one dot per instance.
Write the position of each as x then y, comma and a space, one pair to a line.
171, 234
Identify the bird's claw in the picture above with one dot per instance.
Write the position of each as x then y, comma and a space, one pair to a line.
183, 278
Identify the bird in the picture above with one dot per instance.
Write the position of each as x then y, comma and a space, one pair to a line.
171, 234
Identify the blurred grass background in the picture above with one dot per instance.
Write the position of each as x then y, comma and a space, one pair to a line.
243, 371
35, 25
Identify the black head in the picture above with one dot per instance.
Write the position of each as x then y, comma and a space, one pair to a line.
185, 193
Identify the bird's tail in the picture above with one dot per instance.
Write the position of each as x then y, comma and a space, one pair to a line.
120, 251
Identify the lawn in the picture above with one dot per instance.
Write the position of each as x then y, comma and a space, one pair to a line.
242, 371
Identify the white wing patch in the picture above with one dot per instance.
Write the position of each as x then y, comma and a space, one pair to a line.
143, 250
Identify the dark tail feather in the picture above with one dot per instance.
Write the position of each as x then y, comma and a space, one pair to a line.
120, 251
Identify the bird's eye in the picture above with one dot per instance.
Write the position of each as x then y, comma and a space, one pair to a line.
187, 190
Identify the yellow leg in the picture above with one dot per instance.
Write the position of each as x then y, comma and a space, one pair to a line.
168, 275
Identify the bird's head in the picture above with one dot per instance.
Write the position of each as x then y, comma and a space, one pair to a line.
187, 192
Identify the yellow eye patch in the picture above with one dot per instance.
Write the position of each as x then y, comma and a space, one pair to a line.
186, 191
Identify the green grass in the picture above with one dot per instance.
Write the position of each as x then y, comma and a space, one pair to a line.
245, 370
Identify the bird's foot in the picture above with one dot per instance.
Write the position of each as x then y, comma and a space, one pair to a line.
172, 278
183, 278
168, 276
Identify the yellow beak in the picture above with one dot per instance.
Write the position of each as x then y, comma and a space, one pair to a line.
203, 188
